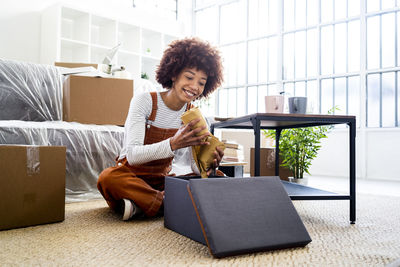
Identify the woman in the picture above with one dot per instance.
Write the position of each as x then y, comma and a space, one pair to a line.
154, 135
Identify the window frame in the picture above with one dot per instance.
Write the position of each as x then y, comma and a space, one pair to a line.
281, 80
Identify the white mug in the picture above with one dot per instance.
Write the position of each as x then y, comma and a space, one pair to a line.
274, 103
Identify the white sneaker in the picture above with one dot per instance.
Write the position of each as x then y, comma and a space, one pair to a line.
129, 209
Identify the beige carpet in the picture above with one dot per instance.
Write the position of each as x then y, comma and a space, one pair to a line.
92, 235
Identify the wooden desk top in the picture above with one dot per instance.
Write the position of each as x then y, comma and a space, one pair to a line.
283, 120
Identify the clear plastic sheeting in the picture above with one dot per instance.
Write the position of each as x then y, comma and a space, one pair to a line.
30, 92
90, 149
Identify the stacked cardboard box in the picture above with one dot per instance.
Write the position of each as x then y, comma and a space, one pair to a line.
96, 100
90, 99
267, 164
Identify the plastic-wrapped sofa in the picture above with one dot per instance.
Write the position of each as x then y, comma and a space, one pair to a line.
30, 114
30, 92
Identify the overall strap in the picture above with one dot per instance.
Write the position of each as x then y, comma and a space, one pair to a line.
153, 113
188, 106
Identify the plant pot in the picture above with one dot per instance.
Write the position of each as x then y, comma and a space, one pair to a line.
302, 181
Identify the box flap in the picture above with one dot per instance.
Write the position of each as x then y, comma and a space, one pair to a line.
179, 214
242, 215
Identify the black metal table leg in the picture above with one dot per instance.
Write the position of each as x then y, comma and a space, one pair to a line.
352, 142
277, 137
256, 127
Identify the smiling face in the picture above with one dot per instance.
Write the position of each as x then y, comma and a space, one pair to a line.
189, 84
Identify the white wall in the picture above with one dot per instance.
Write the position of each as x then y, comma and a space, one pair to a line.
20, 30
20, 22
377, 154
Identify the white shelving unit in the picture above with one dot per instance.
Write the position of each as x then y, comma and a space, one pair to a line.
71, 34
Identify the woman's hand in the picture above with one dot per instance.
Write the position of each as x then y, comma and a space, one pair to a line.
218, 155
186, 136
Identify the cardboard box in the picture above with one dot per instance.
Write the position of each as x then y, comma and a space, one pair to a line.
74, 65
267, 164
94, 100
32, 185
233, 215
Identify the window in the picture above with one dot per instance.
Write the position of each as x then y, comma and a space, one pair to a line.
310, 48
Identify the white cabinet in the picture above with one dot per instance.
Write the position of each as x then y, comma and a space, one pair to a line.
71, 34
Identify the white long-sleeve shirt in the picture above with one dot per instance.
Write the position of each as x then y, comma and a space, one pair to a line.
135, 125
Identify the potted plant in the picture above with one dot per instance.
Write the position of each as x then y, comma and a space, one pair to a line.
299, 146
144, 76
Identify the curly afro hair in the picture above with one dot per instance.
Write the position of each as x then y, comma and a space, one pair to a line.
191, 53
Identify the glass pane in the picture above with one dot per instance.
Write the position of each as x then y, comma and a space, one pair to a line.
273, 15
289, 89
398, 34
388, 40
340, 95
233, 22
273, 59
211, 106
327, 50
288, 56
203, 2
229, 62
354, 45
388, 4
388, 99
253, 18
340, 9
373, 99
300, 14
398, 99
206, 20
312, 97
353, 8
300, 88
241, 63
263, 18
262, 92
353, 85
252, 62
241, 101
312, 53
373, 38
373, 5
232, 102
273, 89
223, 103
288, 14
312, 12
224, 55
327, 10
326, 95
340, 47
300, 54
252, 100
289, 92
263, 60
207, 105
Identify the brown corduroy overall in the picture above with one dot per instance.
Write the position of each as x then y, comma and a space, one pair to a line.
144, 183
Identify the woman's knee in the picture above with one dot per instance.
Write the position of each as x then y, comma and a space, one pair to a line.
105, 178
